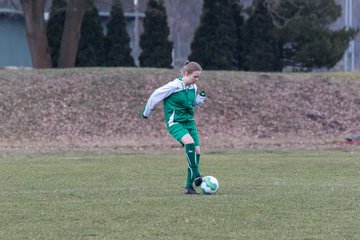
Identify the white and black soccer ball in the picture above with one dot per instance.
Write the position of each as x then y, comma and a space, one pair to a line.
209, 185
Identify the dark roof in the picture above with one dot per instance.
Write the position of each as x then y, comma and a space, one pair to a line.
105, 5
10, 5
102, 5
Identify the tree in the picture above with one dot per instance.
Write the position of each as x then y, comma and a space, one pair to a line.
117, 40
91, 45
262, 51
156, 48
36, 33
55, 27
214, 42
239, 25
71, 33
307, 40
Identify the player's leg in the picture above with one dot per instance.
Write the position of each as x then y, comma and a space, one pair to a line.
198, 179
182, 135
190, 151
194, 134
198, 153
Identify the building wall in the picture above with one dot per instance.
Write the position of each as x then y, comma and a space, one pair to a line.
340, 23
14, 49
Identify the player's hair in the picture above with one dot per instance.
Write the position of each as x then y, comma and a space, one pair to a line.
190, 67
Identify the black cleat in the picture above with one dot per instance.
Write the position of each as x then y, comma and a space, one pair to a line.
190, 190
198, 181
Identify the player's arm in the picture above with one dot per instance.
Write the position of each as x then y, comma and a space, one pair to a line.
157, 96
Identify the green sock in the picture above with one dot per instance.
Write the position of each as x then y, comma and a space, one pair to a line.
193, 168
189, 179
198, 162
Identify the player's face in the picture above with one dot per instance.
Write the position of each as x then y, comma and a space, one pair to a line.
192, 77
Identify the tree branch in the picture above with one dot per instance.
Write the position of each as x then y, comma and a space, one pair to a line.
274, 9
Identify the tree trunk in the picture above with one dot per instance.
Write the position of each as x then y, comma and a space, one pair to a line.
71, 33
36, 33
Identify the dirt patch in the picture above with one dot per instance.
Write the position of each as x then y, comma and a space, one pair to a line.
100, 107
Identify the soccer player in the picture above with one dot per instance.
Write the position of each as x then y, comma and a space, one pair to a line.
180, 97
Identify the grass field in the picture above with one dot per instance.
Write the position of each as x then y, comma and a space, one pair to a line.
263, 195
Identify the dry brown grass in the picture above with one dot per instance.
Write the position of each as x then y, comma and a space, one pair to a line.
100, 108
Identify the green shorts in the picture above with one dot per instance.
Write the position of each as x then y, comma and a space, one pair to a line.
179, 130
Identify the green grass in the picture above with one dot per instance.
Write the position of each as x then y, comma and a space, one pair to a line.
263, 195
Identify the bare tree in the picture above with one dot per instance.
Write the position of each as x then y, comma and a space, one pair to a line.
279, 20
36, 33
12, 4
71, 33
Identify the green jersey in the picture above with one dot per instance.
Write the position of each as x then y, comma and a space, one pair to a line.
179, 102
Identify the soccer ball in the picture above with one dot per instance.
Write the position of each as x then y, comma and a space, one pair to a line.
209, 185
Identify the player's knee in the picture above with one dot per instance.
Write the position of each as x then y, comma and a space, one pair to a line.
197, 150
187, 139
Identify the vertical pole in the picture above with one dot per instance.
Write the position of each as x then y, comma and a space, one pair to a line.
136, 33
352, 55
352, 43
347, 26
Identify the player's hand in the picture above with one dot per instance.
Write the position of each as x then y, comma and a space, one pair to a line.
142, 114
200, 98
202, 93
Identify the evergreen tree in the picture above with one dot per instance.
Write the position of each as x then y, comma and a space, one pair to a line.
262, 50
91, 45
54, 29
117, 40
156, 48
239, 25
214, 43
307, 40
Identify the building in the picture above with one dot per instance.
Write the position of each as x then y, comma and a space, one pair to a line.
14, 49
349, 18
